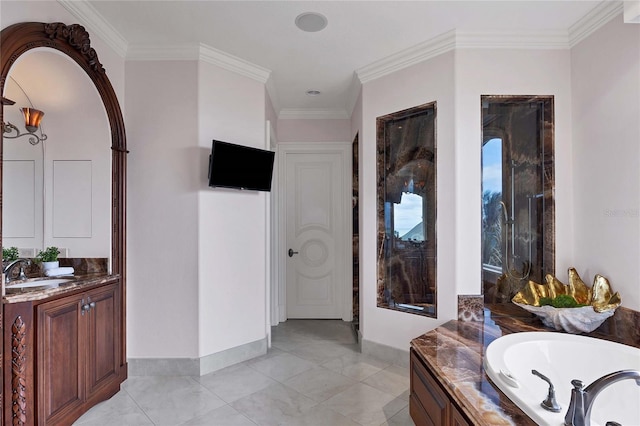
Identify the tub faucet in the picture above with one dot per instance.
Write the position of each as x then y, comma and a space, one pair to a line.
579, 412
9, 269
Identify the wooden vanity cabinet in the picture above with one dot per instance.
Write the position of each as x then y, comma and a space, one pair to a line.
71, 356
78, 347
429, 403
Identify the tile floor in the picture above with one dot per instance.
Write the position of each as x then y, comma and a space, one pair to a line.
313, 375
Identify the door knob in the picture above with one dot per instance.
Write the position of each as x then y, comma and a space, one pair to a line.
291, 252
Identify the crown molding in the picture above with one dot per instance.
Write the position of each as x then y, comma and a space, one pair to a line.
233, 63
592, 21
89, 17
197, 52
313, 114
408, 57
455, 39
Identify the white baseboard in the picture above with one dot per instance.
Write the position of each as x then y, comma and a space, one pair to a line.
385, 353
196, 366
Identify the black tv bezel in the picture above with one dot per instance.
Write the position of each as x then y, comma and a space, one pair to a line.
268, 154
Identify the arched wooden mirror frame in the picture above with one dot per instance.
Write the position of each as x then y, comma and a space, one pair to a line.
73, 41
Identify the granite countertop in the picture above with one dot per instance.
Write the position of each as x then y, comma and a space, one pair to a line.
77, 282
454, 352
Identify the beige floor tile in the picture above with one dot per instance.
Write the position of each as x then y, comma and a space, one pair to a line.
313, 375
366, 405
393, 380
235, 382
319, 383
274, 405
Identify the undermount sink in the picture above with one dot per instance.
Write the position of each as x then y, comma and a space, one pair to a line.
563, 357
35, 283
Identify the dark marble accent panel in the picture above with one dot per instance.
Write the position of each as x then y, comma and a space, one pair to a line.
356, 232
454, 352
87, 265
525, 125
470, 308
81, 266
406, 165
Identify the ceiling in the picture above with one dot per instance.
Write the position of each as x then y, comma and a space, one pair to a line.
360, 36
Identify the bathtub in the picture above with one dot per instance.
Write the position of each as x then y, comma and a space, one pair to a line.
563, 357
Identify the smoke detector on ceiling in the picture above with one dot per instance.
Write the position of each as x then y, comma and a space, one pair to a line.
311, 22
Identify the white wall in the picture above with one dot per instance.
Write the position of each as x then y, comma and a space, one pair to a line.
606, 157
189, 261
314, 130
507, 72
456, 80
426, 82
231, 223
162, 211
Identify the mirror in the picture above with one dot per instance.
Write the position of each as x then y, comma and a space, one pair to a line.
406, 142
72, 42
518, 209
57, 192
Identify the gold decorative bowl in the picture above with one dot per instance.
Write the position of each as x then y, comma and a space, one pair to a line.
600, 300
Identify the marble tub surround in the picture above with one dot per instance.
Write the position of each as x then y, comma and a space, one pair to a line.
470, 308
454, 353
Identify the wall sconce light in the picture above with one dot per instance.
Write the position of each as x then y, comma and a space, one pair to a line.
32, 118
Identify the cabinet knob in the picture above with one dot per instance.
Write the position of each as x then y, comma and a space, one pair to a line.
86, 307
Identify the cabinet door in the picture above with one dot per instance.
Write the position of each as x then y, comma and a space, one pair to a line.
103, 336
428, 404
457, 419
61, 381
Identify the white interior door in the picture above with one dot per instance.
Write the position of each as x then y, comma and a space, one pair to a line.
317, 232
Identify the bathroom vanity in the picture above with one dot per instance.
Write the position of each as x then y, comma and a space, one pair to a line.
62, 349
449, 385
64, 346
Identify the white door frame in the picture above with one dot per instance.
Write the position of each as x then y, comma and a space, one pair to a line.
270, 240
279, 256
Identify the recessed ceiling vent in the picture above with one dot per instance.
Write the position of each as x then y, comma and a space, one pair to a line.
311, 22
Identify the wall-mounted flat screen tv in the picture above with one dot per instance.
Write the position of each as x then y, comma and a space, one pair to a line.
241, 167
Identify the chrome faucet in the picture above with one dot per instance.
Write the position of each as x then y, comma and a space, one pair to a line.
9, 269
579, 412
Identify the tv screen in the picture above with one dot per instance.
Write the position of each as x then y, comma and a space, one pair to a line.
241, 167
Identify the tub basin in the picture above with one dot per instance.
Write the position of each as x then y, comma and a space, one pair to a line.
563, 357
